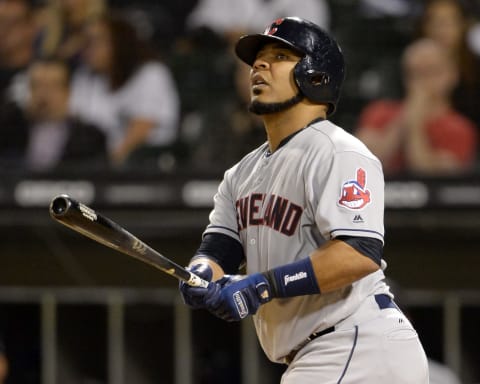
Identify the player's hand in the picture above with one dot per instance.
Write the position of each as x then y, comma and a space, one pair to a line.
239, 296
196, 297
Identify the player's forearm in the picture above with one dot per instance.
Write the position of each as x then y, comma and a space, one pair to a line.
337, 265
331, 267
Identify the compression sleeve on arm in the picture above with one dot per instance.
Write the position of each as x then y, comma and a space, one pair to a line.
222, 249
367, 246
298, 278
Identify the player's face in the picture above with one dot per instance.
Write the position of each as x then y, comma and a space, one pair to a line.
271, 77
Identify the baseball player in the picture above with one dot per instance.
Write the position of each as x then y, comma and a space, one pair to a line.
304, 211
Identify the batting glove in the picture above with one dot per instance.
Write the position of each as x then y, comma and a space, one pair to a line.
239, 296
196, 297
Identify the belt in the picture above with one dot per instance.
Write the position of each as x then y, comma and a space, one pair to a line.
383, 302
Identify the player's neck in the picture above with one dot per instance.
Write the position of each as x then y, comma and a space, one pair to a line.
282, 124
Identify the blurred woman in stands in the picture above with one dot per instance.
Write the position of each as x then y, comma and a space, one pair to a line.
125, 90
421, 134
448, 23
63, 32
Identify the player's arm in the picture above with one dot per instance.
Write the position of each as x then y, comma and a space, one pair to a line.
337, 264
342, 261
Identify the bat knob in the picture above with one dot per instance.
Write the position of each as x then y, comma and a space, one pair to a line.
59, 205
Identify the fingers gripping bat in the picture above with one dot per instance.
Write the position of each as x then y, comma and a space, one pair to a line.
92, 224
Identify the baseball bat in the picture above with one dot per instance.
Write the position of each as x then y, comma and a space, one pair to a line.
92, 224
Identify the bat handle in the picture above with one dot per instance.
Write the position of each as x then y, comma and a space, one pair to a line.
196, 281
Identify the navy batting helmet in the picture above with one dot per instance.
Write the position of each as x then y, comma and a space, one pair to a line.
319, 74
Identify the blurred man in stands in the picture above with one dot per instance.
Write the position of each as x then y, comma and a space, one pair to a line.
17, 31
422, 134
42, 136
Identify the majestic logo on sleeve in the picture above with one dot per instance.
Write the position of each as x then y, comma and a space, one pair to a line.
354, 194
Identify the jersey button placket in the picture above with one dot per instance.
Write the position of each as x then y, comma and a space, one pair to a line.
259, 173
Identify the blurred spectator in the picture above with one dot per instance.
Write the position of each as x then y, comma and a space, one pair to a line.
231, 18
421, 134
125, 90
3, 364
234, 132
389, 8
17, 31
42, 136
448, 22
63, 34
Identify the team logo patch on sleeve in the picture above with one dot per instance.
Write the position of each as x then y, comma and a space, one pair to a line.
354, 194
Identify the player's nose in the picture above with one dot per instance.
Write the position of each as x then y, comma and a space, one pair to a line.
260, 63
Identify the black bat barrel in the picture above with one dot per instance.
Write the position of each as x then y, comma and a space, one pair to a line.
90, 223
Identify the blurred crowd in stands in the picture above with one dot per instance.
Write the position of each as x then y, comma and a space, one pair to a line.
154, 86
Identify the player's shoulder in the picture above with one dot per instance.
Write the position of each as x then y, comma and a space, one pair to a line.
336, 140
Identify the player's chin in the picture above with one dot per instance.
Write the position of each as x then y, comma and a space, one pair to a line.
255, 94
260, 97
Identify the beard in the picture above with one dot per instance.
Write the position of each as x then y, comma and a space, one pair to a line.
259, 108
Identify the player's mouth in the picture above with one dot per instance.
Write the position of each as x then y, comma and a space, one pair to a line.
257, 82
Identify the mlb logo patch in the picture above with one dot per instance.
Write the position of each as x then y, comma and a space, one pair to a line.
354, 194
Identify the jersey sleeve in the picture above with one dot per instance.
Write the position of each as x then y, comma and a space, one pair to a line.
351, 198
223, 218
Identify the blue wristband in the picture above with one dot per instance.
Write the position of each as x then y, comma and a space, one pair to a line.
294, 279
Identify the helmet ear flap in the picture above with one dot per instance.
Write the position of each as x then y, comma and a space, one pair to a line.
314, 84
318, 78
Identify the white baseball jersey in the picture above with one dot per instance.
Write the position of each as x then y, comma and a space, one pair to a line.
320, 184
